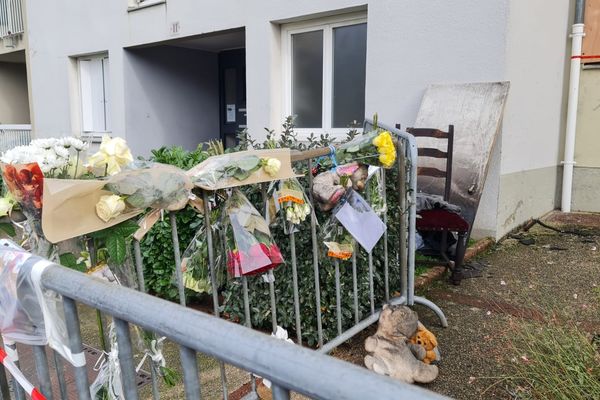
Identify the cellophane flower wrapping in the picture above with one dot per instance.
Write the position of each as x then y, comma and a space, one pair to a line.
194, 263
29, 313
25, 182
152, 185
338, 242
290, 200
21, 318
372, 148
222, 168
250, 247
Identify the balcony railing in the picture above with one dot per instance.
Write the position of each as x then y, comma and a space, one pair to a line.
11, 18
14, 135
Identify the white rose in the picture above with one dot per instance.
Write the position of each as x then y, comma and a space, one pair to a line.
109, 207
6, 206
113, 154
272, 166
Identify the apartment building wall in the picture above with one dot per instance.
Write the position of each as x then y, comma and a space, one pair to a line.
409, 45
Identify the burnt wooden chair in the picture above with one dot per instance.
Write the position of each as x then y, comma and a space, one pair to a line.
439, 220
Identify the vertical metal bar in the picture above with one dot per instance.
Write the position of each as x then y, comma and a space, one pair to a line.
280, 393
315, 251
4, 389
248, 321
295, 285
43, 374
355, 285
386, 273
402, 246
412, 221
191, 381
139, 267
270, 274
126, 359
60, 374
17, 389
177, 255
213, 279
76, 347
371, 286
338, 296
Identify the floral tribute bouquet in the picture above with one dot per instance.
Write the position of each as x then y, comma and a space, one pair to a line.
373, 148
250, 248
242, 168
24, 169
288, 196
194, 262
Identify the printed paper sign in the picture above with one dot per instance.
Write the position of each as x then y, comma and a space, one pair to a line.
359, 219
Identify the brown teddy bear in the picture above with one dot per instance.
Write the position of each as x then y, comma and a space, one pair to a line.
390, 351
427, 340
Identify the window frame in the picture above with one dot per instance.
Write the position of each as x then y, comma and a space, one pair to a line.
327, 25
106, 95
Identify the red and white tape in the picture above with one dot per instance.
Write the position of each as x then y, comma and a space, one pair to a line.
19, 377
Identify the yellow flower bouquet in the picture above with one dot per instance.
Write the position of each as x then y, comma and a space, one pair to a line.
373, 148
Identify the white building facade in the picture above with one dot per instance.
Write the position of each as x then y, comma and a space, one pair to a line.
180, 72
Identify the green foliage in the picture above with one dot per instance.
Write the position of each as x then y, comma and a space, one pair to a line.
69, 260
8, 228
260, 308
114, 240
554, 362
157, 245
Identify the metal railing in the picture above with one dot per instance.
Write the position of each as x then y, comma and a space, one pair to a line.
290, 368
405, 246
11, 18
14, 135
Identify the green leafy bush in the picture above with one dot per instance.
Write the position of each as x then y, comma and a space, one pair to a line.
259, 297
157, 245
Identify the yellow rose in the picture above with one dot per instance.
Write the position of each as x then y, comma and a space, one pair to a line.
272, 166
387, 160
113, 155
109, 207
387, 149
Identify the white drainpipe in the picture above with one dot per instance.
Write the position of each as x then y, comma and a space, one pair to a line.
569, 157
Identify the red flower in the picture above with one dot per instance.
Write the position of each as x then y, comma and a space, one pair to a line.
275, 254
26, 184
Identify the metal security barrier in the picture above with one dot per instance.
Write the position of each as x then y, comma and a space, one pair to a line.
13, 136
406, 191
290, 368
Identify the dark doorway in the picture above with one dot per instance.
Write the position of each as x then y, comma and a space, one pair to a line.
232, 94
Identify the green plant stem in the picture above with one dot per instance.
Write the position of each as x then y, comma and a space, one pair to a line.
101, 330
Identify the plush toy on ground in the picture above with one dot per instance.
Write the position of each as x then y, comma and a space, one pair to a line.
330, 186
390, 350
427, 340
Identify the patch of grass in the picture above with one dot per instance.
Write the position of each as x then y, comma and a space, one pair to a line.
420, 267
553, 362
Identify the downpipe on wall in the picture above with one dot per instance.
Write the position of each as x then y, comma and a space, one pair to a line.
569, 156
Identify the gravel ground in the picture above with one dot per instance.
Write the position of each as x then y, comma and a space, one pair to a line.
558, 277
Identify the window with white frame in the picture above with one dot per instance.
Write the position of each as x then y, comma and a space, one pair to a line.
324, 73
94, 93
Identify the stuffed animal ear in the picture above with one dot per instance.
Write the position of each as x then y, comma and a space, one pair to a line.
385, 306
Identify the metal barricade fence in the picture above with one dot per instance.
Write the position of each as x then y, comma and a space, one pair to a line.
407, 181
290, 368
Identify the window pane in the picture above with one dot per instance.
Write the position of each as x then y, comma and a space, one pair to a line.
307, 79
349, 66
92, 94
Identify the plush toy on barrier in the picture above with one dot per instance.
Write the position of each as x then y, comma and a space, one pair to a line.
390, 351
330, 186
